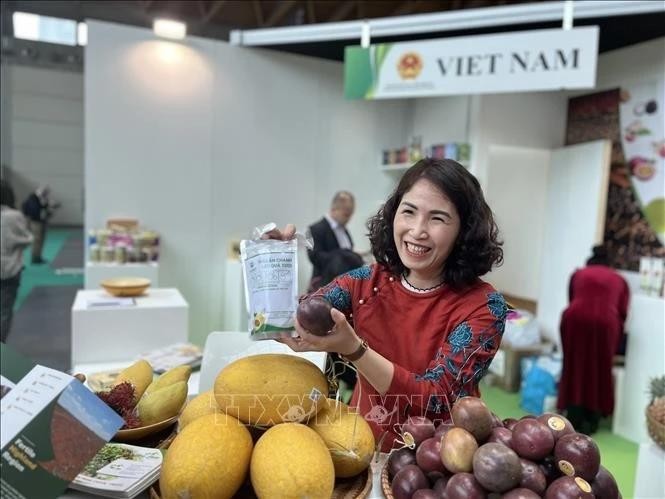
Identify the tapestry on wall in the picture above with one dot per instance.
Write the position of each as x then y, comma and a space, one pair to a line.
632, 118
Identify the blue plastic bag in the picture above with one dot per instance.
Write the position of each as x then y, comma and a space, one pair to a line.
538, 384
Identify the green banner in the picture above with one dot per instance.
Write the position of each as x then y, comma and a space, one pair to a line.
361, 70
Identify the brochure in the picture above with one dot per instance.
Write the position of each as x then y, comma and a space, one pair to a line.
52, 426
120, 470
174, 355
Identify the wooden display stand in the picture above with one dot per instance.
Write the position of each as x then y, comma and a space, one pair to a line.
505, 370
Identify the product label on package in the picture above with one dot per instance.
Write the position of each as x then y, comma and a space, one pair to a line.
270, 270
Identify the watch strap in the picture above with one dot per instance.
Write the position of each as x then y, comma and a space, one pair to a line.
359, 352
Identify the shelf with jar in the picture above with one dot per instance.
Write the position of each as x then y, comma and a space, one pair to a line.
404, 157
117, 244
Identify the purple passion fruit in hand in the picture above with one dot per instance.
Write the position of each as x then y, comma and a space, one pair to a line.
314, 315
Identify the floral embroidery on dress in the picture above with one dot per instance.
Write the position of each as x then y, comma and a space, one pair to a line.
480, 369
486, 342
361, 273
462, 393
434, 374
339, 298
435, 405
452, 367
460, 338
497, 305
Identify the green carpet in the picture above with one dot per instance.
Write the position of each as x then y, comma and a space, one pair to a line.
618, 455
44, 275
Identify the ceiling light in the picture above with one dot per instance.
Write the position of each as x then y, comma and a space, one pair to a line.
170, 29
82, 34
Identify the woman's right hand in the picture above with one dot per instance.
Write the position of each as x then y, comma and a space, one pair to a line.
343, 339
285, 234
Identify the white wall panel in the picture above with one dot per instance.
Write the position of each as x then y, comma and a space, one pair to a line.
575, 221
40, 134
45, 112
47, 82
38, 161
516, 190
148, 117
205, 141
442, 119
48, 109
533, 120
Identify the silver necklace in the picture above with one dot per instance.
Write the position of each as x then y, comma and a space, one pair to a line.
421, 290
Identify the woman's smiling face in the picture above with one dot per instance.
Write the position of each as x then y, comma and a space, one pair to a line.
425, 229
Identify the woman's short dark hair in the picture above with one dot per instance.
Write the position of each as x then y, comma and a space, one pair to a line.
7, 194
598, 256
477, 247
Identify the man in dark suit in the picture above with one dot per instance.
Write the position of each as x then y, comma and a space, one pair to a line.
330, 235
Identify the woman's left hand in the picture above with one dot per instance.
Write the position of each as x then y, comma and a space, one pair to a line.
343, 339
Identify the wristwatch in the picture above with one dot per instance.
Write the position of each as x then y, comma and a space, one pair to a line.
359, 352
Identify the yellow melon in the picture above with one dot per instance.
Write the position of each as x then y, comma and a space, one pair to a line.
290, 461
348, 436
202, 404
209, 458
269, 389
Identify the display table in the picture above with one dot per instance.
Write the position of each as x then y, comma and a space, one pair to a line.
649, 476
644, 359
95, 273
110, 334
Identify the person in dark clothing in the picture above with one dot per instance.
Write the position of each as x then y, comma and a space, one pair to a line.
330, 235
38, 209
15, 238
591, 332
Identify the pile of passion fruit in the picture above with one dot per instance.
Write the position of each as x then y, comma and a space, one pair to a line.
480, 456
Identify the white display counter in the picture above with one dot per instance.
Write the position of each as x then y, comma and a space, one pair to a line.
115, 333
650, 474
645, 358
95, 273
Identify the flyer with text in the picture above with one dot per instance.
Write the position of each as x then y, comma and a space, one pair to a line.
52, 426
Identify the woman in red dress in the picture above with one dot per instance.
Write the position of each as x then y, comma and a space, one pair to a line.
591, 331
419, 325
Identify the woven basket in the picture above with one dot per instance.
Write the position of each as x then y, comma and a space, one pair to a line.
385, 483
357, 487
656, 430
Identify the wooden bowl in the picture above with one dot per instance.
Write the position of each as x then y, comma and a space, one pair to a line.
133, 434
126, 286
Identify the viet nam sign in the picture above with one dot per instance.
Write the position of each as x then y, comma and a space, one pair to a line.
549, 59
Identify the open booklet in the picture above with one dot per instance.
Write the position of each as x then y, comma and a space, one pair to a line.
52, 426
120, 470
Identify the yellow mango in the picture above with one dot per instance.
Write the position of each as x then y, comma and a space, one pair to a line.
139, 375
162, 404
179, 373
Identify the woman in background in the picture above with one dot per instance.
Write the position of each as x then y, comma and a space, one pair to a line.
591, 332
15, 238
